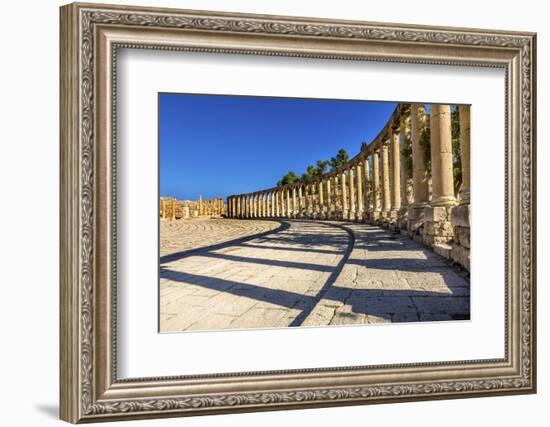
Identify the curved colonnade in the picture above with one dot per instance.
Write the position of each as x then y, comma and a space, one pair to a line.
392, 181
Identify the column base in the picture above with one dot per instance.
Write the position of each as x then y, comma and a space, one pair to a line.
460, 221
437, 228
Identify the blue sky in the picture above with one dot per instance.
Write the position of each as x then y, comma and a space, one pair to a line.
216, 146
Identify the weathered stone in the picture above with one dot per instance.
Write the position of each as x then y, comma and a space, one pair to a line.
436, 213
460, 216
462, 236
443, 249
461, 255
441, 155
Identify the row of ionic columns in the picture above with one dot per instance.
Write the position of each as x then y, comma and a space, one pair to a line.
378, 184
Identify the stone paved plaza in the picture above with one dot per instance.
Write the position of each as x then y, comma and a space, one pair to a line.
232, 274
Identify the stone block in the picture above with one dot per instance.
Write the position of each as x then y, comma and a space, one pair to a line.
460, 216
461, 255
430, 228
435, 213
462, 236
443, 249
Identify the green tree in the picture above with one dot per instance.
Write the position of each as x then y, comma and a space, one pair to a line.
322, 166
310, 174
289, 178
339, 160
314, 171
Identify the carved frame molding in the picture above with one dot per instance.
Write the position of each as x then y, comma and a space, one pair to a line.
90, 36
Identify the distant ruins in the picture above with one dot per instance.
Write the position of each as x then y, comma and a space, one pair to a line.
171, 208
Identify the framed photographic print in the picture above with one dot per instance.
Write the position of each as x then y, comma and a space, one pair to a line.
266, 212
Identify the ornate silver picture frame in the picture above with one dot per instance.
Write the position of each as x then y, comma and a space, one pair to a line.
91, 390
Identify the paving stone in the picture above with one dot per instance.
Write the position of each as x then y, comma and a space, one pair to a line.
291, 277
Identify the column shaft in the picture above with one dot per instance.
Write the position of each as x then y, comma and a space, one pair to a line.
403, 164
442, 155
287, 193
359, 178
396, 172
321, 199
351, 176
376, 181
294, 207
367, 188
386, 201
343, 195
464, 117
329, 198
420, 173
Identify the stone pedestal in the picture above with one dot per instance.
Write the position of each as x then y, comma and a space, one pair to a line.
415, 222
460, 248
402, 220
185, 212
392, 220
437, 225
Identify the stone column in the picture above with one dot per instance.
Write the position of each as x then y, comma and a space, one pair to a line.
438, 228
396, 175
294, 207
344, 195
464, 117
260, 205
386, 201
359, 178
307, 202
367, 189
163, 208
442, 156
376, 184
420, 173
351, 176
288, 210
298, 207
460, 215
263, 212
321, 199
173, 208
329, 198
404, 169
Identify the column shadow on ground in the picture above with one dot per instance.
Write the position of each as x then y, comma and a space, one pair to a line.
306, 303
365, 301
